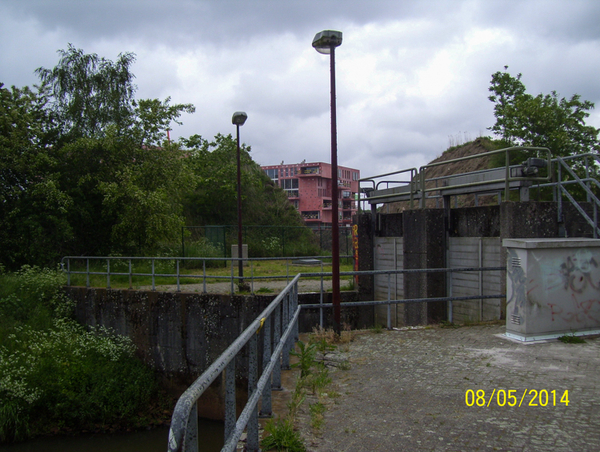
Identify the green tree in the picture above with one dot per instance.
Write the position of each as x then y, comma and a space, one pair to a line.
85, 166
33, 207
543, 120
214, 199
145, 199
88, 93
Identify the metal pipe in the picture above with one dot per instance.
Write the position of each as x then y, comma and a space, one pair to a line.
239, 209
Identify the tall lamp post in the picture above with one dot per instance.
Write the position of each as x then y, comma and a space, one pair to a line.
325, 42
239, 118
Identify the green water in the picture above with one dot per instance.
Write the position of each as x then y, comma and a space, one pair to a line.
210, 435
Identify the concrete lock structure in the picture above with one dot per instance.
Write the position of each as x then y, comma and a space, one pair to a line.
552, 287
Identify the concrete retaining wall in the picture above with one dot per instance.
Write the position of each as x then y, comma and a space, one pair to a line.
440, 238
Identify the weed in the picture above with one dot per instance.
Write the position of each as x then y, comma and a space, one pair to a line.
344, 365
282, 437
316, 415
306, 358
349, 286
296, 402
317, 381
447, 324
325, 338
377, 329
571, 339
265, 290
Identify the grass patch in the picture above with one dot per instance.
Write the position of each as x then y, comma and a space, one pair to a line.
571, 339
282, 437
189, 274
377, 328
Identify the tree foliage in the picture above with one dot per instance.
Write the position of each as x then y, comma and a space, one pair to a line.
542, 120
214, 198
88, 169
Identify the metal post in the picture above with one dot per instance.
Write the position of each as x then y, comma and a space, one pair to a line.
191, 432
108, 273
276, 383
230, 405
178, 286
285, 359
389, 306
204, 276
252, 427
153, 280
335, 233
232, 289
239, 209
266, 408
321, 299
130, 275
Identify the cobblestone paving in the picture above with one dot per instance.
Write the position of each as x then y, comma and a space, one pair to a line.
406, 390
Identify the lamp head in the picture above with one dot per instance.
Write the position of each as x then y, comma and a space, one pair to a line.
325, 40
239, 118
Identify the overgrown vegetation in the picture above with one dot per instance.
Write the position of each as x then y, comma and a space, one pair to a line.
313, 382
56, 376
571, 339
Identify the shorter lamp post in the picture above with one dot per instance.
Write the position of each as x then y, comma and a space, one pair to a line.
239, 118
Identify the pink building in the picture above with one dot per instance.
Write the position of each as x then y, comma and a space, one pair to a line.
308, 186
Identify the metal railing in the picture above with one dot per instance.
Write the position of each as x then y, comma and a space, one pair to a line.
277, 327
586, 184
280, 317
124, 266
420, 187
390, 301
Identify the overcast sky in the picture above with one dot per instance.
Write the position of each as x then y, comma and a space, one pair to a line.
412, 76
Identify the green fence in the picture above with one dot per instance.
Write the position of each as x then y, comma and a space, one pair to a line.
262, 241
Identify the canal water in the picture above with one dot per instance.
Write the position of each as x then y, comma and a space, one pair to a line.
209, 432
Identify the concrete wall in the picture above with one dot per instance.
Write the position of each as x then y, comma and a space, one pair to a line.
181, 334
439, 238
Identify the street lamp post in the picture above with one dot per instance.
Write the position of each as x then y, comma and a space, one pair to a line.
325, 42
239, 118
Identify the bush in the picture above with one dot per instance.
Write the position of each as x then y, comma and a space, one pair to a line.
34, 296
54, 374
68, 378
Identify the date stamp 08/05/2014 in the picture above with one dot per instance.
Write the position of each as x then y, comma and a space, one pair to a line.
514, 397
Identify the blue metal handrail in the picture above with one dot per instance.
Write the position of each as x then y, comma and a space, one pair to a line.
281, 315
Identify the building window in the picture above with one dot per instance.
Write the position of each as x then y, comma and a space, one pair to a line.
289, 184
311, 215
310, 170
272, 173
